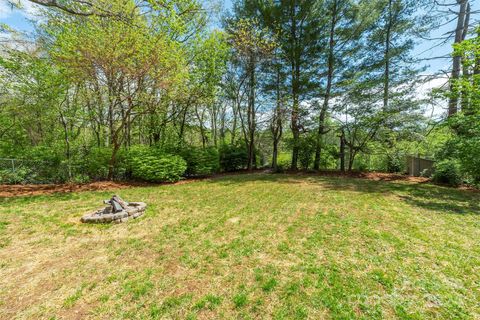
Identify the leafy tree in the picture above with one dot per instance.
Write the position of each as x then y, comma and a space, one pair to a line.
251, 45
464, 145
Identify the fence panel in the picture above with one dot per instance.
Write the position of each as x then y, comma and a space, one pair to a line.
14, 171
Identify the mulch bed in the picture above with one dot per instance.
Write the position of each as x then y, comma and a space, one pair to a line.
40, 189
376, 176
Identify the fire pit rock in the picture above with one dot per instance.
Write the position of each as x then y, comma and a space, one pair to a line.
117, 211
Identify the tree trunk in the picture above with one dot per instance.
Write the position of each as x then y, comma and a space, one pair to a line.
67, 145
181, 133
234, 125
386, 80
275, 156
351, 158
214, 116
251, 116
323, 111
465, 99
295, 72
276, 126
342, 151
459, 37
202, 129
222, 124
476, 69
113, 159
296, 136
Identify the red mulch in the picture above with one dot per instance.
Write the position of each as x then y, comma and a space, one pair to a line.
379, 176
376, 176
41, 189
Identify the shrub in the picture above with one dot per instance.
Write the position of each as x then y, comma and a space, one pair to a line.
284, 161
45, 165
395, 163
329, 157
19, 176
233, 157
361, 164
95, 163
447, 171
151, 164
201, 161
80, 178
306, 152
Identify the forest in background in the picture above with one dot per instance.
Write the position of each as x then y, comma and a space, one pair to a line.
159, 89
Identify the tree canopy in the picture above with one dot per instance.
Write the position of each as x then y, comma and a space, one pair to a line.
330, 84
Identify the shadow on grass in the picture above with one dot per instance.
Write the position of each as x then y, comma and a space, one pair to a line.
423, 195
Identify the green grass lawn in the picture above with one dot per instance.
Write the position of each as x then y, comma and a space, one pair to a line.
246, 247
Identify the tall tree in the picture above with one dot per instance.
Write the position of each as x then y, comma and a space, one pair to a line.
252, 45
346, 23
461, 30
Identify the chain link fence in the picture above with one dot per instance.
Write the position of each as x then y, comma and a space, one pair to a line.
21, 171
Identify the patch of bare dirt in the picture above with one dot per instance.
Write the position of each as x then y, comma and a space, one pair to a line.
40, 189
376, 176
20, 190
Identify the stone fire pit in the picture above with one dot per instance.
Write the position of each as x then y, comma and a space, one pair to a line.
117, 211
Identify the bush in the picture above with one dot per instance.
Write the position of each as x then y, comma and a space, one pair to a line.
361, 164
426, 173
395, 163
306, 150
151, 164
284, 161
447, 171
329, 157
45, 165
80, 178
233, 158
95, 163
201, 161
19, 176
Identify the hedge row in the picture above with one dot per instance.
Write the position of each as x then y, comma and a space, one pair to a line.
139, 162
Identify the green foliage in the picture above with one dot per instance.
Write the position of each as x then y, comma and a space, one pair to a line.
46, 164
240, 300
81, 178
151, 164
95, 163
448, 172
201, 161
465, 149
284, 161
395, 163
329, 156
233, 157
467, 87
361, 164
156, 73
464, 144
306, 151
19, 176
